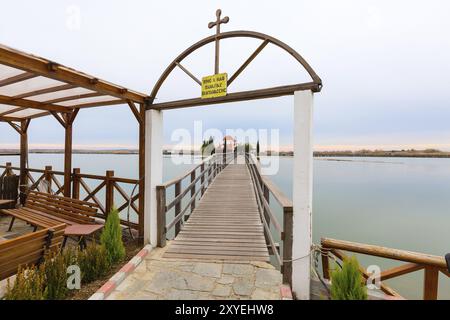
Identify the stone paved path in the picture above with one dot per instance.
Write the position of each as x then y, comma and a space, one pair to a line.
176, 279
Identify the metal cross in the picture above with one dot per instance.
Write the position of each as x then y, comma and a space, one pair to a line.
217, 24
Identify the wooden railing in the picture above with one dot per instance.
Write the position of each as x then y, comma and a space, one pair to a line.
431, 264
202, 174
263, 189
86, 187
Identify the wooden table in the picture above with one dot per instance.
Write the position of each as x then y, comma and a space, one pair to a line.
81, 231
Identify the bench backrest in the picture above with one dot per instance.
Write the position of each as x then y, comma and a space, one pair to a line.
77, 211
9, 187
29, 249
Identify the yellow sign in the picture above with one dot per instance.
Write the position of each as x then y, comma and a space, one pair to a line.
214, 86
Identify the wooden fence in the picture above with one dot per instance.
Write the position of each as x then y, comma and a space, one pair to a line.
198, 179
431, 264
264, 188
106, 191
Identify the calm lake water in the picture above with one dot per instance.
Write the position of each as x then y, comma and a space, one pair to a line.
402, 203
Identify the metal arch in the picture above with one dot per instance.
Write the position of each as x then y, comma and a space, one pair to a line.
234, 34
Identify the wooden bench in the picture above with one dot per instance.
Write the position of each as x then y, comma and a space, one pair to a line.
9, 191
43, 210
28, 249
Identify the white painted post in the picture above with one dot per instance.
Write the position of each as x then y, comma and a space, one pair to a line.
153, 172
302, 193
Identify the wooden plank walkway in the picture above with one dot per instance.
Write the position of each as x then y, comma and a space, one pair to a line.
226, 223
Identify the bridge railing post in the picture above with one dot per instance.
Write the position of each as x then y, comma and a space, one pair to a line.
177, 207
48, 178
202, 179
287, 244
161, 216
193, 175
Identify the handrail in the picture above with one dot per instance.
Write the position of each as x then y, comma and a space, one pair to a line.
185, 175
209, 169
431, 264
109, 183
263, 188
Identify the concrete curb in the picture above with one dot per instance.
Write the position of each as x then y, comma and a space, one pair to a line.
121, 275
286, 292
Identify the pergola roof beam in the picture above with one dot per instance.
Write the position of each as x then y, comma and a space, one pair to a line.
32, 104
76, 97
44, 91
18, 78
46, 68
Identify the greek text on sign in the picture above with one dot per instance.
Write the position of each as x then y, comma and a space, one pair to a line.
214, 86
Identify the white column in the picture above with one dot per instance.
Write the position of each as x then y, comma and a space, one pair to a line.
153, 171
302, 193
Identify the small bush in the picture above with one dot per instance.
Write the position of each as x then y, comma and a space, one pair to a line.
111, 238
347, 283
28, 285
55, 271
93, 262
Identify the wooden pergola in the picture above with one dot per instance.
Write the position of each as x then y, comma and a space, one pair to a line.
32, 87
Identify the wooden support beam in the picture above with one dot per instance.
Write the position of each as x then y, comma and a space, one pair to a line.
235, 97
59, 118
400, 270
46, 68
23, 179
68, 119
188, 73
33, 104
15, 127
248, 61
430, 285
99, 104
78, 96
135, 111
18, 78
44, 91
11, 111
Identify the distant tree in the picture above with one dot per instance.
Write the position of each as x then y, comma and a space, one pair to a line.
247, 147
257, 149
207, 147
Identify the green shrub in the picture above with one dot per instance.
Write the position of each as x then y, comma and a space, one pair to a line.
93, 262
111, 238
55, 271
28, 285
347, 283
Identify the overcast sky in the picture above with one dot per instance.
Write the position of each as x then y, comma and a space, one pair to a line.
385, 65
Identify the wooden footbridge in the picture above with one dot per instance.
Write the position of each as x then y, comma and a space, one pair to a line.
227, 216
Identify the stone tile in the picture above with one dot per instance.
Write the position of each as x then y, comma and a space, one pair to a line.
222, 291
163, 281
143, 295
238, 269
131, 284
205, 296
176, 294
268, 278
198, 283
208, 269
226, 279
243, 286
260, 294
186, 267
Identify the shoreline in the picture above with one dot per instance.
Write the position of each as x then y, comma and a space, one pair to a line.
317, 154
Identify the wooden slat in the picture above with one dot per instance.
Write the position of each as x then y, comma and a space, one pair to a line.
226, 224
